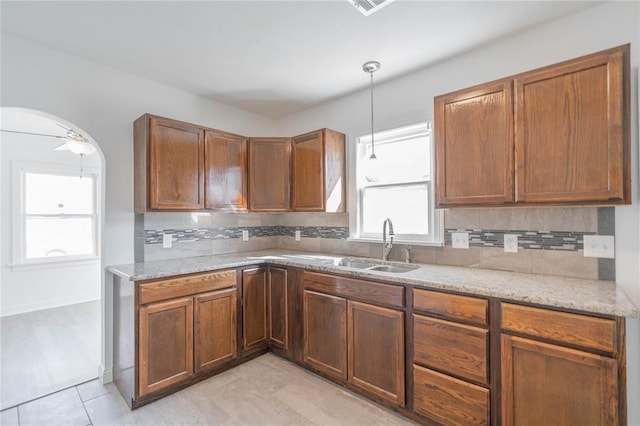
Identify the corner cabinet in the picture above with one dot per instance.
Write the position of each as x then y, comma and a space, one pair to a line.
556, 135
169, 165
269, 174
318, 172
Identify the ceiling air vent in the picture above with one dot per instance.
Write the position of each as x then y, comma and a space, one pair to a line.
367, 7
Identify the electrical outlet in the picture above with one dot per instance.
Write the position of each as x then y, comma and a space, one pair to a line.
297, 235
510, 243
245, 235
460, 240
166, 240
599, 246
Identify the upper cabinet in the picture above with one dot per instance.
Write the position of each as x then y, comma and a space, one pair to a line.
318, 172
169, 165
557, 135
269, 163
226, 171
184, 167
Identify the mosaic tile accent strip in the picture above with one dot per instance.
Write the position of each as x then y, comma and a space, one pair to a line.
535, 240
154, 236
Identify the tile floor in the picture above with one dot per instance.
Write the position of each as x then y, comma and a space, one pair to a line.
265, 391
48, 350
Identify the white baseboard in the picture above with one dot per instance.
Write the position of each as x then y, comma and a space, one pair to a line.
105, 375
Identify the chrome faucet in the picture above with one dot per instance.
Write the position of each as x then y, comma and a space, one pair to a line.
387, 247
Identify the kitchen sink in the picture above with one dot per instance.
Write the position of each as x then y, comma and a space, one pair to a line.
392, 268
374, 266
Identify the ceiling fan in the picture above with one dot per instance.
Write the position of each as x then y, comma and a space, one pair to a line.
74, 141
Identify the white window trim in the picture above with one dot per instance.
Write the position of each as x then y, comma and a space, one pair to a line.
18, 258
436, 221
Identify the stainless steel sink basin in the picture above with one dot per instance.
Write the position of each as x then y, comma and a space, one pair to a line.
358, 264
374, 266
392, 268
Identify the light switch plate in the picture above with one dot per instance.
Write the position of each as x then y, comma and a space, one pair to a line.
245, 235
297, 235
166, 241
460, 240
510, 243
599, 246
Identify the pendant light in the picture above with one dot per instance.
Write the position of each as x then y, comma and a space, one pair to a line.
371, 67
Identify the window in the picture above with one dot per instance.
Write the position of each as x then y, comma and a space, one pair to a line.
55, 214
397, 184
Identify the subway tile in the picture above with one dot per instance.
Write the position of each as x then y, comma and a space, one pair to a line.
462, 218
458, 257
9, 417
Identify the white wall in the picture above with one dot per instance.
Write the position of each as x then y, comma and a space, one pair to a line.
28, 288
104, 102
598, 28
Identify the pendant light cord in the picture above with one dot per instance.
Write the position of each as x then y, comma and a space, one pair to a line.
373, 152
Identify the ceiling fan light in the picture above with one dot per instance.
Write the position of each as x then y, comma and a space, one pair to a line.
80, 148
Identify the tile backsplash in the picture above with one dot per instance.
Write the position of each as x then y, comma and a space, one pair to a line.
550, 240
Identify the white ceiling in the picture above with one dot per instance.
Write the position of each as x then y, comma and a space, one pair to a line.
271, 57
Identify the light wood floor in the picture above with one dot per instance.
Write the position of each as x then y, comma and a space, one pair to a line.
265, 391
48, 350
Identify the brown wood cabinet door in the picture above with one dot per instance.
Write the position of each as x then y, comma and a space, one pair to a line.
269, 171
215, 329
226, 171
254, 308
307, 153
474, 146
278, 307
176, 165
376, 350
450, 401
165, 344
545, 384
325, 333
570, 135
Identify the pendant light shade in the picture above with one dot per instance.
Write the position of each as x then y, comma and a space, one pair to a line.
371, 67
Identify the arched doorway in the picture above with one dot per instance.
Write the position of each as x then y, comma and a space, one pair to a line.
51, 221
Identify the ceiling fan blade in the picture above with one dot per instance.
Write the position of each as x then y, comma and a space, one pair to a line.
64, 127
63, 147
34, 134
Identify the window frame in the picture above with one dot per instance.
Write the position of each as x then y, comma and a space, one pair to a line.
435, 219
19, 219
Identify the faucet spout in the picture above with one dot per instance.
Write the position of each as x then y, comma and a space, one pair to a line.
387, 246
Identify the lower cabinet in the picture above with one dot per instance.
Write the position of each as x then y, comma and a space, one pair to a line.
183, 329
376, 350
215, 329
451, 358
325, 333
550, 383
166, 344
352, 341
254, 308
278, 308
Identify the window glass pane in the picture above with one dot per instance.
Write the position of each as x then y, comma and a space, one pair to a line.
406, 206
55, 194
60, 236
398, 161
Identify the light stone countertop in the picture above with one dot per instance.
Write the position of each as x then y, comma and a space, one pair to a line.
592, 296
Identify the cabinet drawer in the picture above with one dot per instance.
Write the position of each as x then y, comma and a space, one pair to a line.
447, 400
184, 286
454, 348
563, 327
452, 306
366, 291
